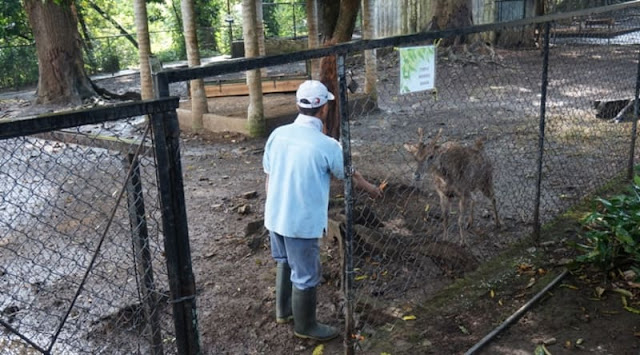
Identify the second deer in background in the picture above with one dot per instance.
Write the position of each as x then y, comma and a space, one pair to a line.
456, 171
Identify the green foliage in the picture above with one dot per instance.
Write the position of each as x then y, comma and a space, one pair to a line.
613, 230
289, 17
18, 66
14, 27
270, 19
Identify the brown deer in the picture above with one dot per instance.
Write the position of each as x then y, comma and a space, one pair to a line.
456, 171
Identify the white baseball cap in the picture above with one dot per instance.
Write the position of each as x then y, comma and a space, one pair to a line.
312, 94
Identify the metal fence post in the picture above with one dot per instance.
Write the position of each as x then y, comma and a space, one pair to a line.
142, 254
176, 235
543, 107
634, 125
161, 84
345, 138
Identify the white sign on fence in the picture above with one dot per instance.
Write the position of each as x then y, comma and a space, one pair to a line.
417, 68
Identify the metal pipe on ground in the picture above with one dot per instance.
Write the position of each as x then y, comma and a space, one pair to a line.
516, 315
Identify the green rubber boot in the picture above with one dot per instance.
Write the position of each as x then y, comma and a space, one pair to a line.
284, 314
304, 317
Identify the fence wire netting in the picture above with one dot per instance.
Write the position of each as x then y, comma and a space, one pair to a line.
487, 100
82, 267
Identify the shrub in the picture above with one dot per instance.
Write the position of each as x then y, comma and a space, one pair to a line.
613, 231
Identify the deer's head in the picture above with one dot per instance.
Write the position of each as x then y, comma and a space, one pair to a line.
423, 152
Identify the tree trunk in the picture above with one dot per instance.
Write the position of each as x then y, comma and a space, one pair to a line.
255, 112
451, 14
260, 34
314, 36
62, 78
144, 48
198, 95
370, 61
343, 24
86, 39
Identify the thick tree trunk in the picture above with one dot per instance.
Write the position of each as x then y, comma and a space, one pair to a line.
451, 14
198, 96
343, 25
144, 48
62, 78
255, 112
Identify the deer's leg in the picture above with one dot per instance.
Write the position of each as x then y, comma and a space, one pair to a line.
461, 215
491, 195
444, 207
470, 214
495, 212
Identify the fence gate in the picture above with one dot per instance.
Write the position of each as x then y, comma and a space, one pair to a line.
93, 250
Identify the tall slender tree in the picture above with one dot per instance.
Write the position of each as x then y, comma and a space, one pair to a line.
370, 59
314, 36
144, 48
61, 78
255, 114
198, 96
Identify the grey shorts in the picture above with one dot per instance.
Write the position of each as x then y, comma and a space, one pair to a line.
302, 255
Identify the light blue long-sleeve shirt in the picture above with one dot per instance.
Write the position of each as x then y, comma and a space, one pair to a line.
300, 161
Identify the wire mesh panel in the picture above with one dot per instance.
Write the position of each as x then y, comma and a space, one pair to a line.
459, 164
82, 260
592, 77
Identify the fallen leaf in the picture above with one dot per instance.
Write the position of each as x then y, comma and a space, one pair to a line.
568, 344
492, 293
524, 267
599, 291
632, 310
541, 350
463, 330
319, 350
629, 275
532, 282
571, 287
361, 277
409, 318
623, 292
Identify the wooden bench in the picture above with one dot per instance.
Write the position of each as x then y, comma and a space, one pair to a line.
280, 84
608, 21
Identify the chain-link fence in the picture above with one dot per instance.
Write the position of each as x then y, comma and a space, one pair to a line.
83, 265
538, 129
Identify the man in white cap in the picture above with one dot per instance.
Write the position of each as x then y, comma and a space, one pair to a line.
299, 161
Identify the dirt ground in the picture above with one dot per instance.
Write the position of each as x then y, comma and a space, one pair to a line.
235, 276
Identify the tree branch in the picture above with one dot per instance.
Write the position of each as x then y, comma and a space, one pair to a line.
107, 17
